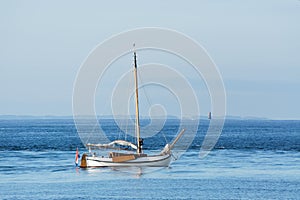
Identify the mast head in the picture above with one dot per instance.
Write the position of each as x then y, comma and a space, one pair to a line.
134, 56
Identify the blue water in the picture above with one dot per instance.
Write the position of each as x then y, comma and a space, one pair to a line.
252, 160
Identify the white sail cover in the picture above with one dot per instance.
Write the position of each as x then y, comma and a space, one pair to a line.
124, 143
111, 144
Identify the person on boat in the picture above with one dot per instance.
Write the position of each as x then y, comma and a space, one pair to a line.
141, 142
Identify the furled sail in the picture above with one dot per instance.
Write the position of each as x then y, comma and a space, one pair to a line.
113, 143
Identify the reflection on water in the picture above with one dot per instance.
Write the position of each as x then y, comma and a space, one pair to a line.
122, 172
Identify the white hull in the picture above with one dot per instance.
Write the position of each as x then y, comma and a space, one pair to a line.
149, 161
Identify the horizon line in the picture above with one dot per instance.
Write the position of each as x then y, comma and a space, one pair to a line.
228, 117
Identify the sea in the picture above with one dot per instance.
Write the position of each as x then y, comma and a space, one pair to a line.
253, 159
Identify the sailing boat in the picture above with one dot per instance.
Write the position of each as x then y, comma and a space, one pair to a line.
136, 158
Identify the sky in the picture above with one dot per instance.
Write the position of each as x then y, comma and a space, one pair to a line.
255, 45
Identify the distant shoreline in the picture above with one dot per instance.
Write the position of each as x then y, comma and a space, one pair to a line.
24, 117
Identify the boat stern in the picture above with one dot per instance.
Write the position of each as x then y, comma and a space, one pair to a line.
83, 163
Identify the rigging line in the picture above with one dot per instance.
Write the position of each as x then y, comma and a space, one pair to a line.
144, 90
127, 120
148, 100
91, 133
104, 106
175, 158
121, 124
164, 137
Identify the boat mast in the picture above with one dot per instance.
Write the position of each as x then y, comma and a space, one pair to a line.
137, 117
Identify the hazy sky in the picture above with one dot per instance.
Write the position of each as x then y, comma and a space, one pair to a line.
255, 44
